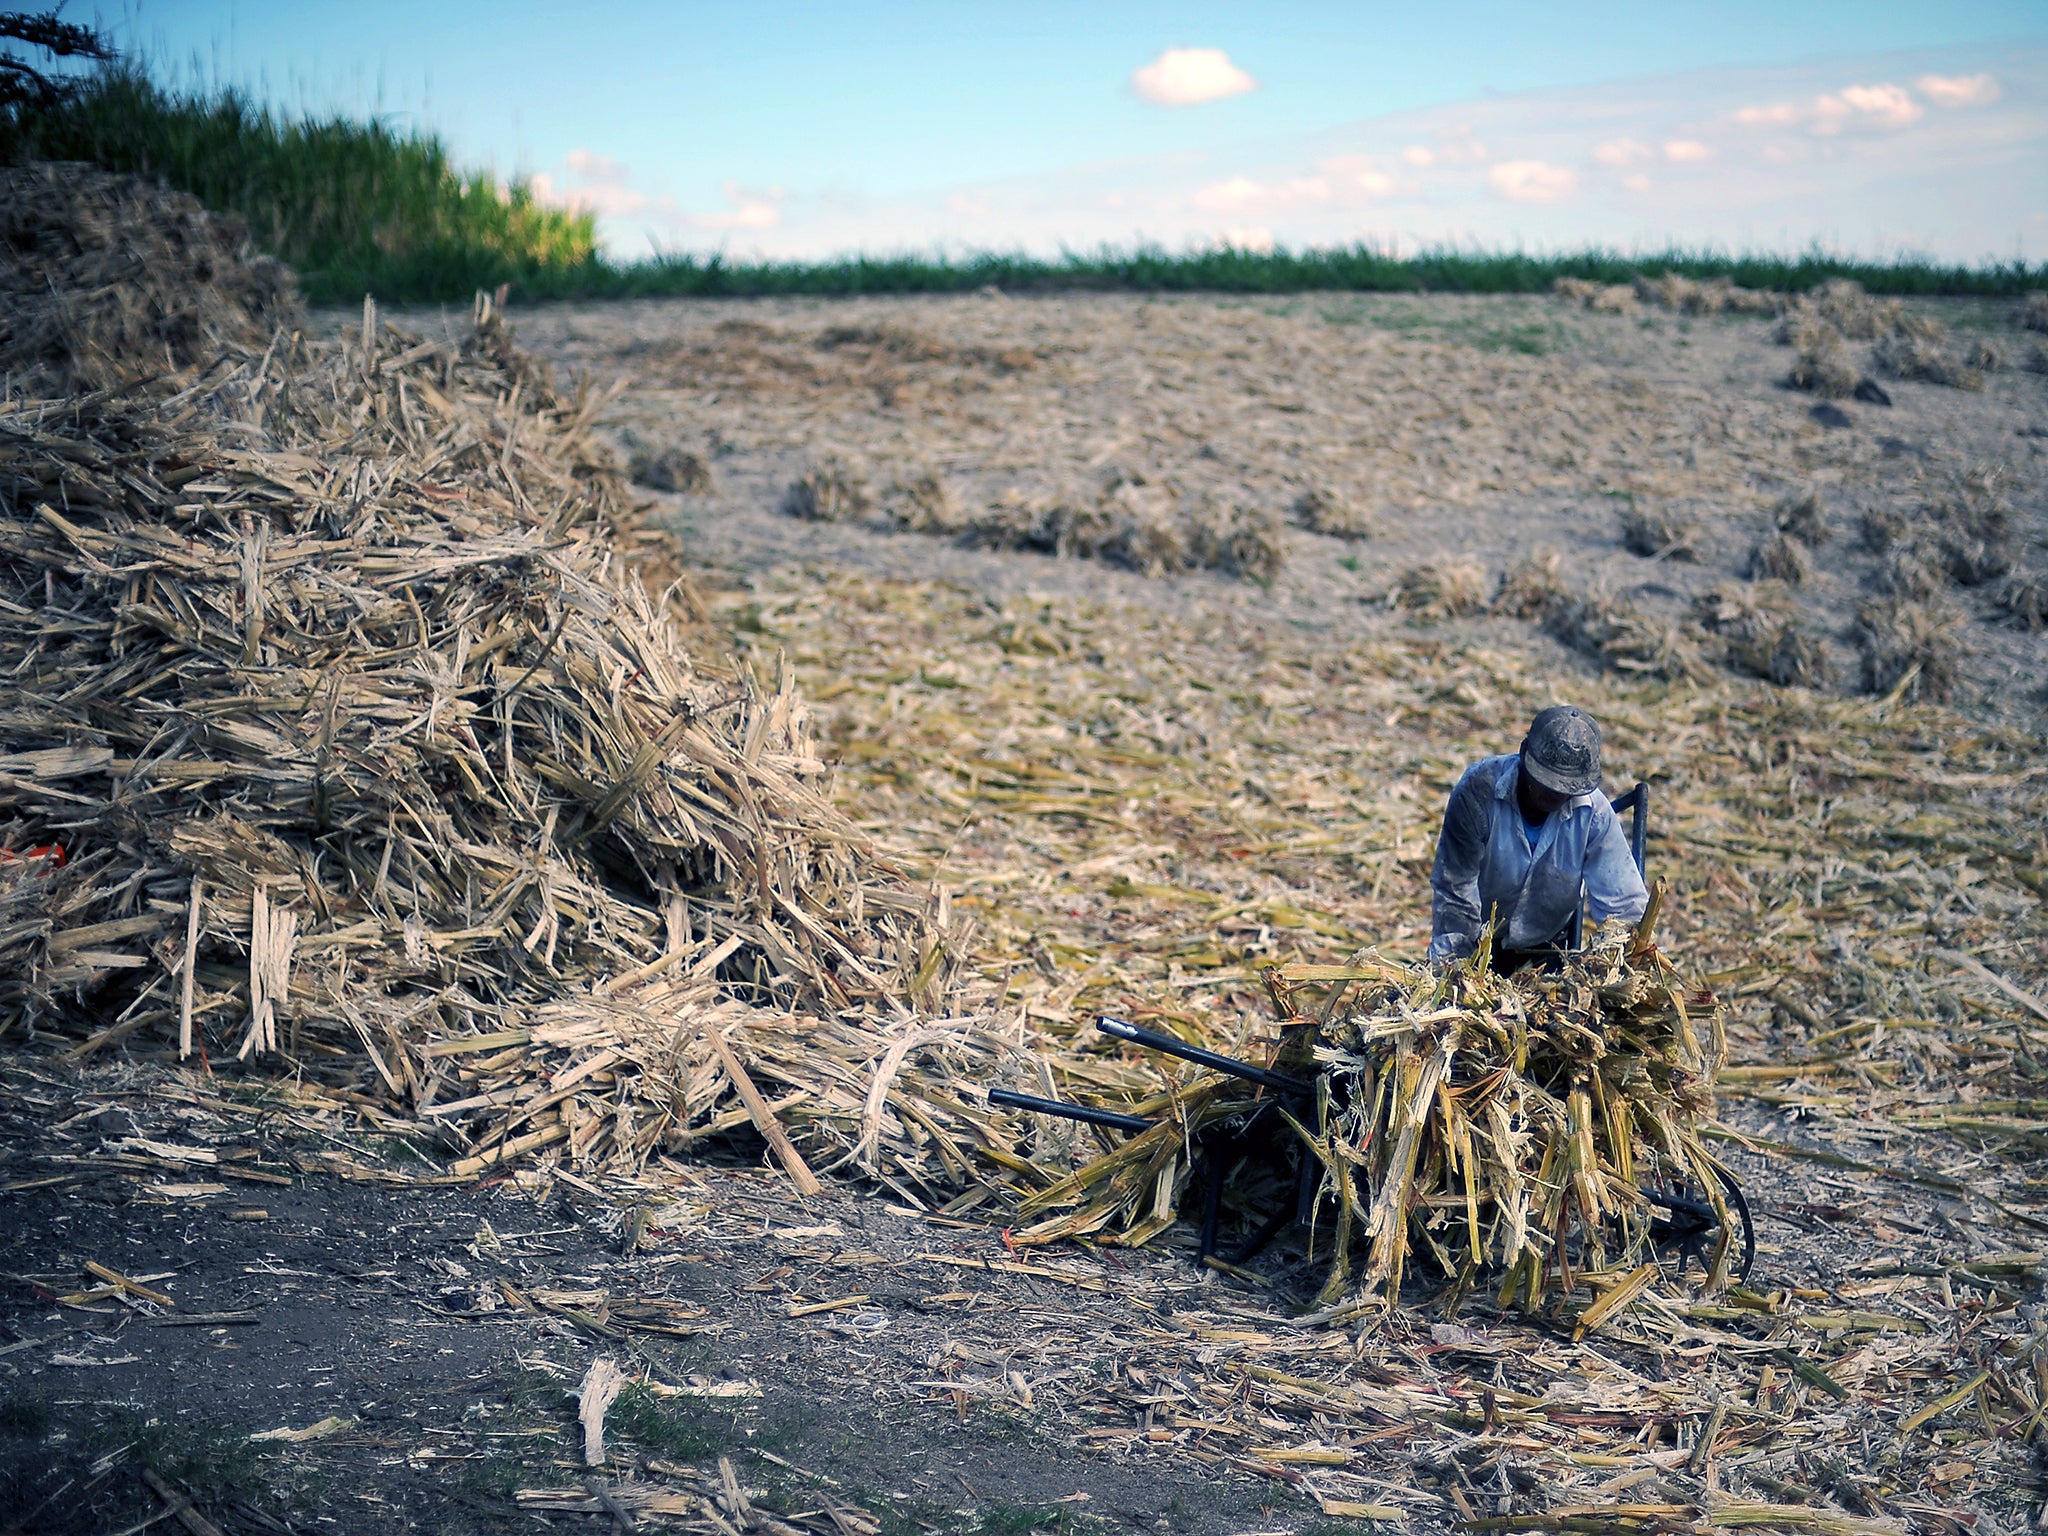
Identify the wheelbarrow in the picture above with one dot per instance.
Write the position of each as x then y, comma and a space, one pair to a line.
1686, 1226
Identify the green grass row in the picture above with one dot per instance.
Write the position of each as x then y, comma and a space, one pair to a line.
359, 207
355, 206
1358, 268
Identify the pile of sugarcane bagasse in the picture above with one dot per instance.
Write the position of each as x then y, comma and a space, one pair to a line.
1505, 1126
1514, 1121
341, 738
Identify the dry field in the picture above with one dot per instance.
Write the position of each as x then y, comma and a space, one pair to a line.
1332, 445
1148, 787
1220, 744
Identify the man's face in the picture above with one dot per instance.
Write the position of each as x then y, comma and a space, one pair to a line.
1541, 802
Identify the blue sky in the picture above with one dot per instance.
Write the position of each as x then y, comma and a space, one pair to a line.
804, 128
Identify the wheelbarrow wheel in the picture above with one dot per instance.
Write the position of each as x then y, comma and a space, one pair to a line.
1686, 1227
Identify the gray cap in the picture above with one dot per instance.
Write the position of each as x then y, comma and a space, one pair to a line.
1562, 750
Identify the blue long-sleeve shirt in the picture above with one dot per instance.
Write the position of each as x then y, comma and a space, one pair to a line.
1490, 860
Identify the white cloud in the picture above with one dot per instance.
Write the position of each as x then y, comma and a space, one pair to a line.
594, 167
591, 183
1681, 150
1232, 196
1359, 173
1872, 106
1240, 194
1958, 90
1455, 146
1891, 105
1255, 238
1184, 77
752, 208
1636, 183
1344, 181
1885, 106
1532, 181
1621, 152
1779, 114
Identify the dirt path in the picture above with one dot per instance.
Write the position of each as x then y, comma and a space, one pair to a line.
848, 1355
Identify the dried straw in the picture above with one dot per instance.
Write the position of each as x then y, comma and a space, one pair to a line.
368, 755
1533, 587
1799, 516
1145, 525
1132, 524
1659, 532
1842, 304
831, 490
1609, 299
1881, 527
1976, 534
1910, 648
1510, 1124
1914, 570
924, 503
1823, 365
1759, 625
670, 468
1238, 540
1598, 624
1716, 296
106, 280
2023, 598
1908, 356
1440, 589
1985, 355
1620, 634
1325, 509
1507, 1124
1779, 557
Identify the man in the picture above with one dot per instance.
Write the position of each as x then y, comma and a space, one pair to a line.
1523, 835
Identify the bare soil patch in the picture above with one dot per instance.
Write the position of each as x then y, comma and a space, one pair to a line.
379, 1351
865, 1368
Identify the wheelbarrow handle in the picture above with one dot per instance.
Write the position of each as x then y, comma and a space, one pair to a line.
1636, 801
1081, 1112
1278, 1081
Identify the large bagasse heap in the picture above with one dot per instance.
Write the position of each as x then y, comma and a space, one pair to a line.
1510, 1124
106, 280
367, 757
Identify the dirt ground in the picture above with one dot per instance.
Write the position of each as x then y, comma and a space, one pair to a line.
1144, 789
846, 1355
342, 1346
